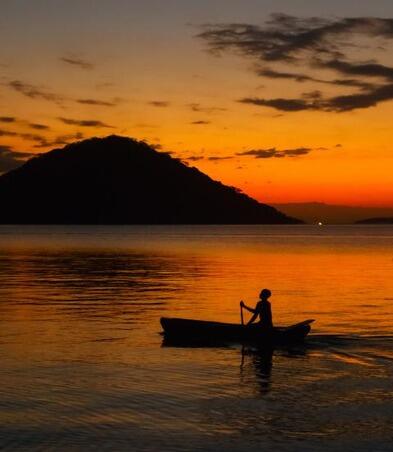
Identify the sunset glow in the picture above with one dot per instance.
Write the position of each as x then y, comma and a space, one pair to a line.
292, 122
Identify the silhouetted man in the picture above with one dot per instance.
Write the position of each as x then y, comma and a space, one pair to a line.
263, 310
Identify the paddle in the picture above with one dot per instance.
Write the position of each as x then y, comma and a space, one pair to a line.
241, 312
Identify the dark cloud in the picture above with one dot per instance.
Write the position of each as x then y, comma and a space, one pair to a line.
288, 38
32, 137
199, 109
295, 152
362, 69
78, 62
159, 103
312, 95
61, 140
270, 73
12, 120
301, 78
279, 103
200, 122
260, 153
215, 158
273, 152
11, 159
33, 91
99, 103
84, 122
7, 133
361, 100
315, 44
38, 126
194, 158
347, 102
349, 82
25, 136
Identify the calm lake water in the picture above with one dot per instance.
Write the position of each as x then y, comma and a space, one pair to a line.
83, 366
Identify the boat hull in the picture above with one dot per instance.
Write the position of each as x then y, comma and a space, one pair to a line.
205, 331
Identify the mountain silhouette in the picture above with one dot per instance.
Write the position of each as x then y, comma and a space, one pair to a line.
118, 180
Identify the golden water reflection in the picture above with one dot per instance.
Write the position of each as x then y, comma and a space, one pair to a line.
83, 364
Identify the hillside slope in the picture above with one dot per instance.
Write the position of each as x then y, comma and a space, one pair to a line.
117, 180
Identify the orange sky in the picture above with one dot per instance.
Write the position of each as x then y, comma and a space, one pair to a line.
72, 72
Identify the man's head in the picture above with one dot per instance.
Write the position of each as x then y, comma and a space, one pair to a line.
265, 294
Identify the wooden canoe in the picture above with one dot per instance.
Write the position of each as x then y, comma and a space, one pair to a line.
205, 331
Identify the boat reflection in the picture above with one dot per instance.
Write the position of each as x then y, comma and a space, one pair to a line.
261, 362
256, 362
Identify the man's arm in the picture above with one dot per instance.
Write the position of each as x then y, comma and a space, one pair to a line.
253, 318
254, 311
247, 308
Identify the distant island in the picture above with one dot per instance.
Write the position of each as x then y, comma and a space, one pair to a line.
118, 180
315, 212
387, 220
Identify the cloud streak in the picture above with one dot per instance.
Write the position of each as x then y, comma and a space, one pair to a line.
208, 110
61, 140
41, 141
302, 78
7, 119
78, 62
84, 122
214, 158
96, 102
11, 159
7, 133
343, 103
33, 92
159, 103
315, 44
38, 126
194, 158
25, 136
12, 120
200, 123
275, 153
287, 38
281, 104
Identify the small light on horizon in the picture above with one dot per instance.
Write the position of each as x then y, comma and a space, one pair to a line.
319, 223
